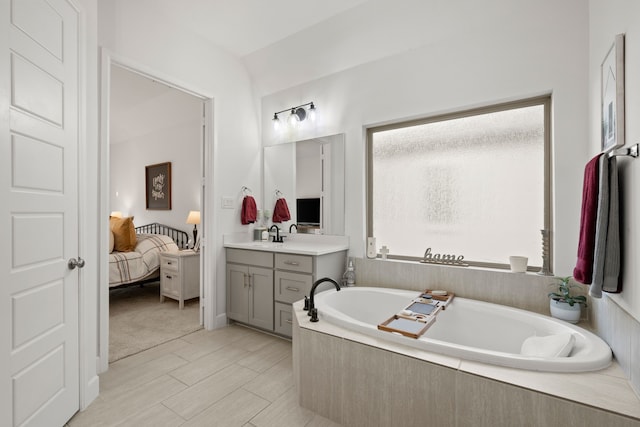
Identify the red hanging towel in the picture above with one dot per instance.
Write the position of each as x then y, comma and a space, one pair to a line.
583, 272
281, 211
249, 211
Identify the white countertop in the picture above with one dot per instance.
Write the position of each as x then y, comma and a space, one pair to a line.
302, 244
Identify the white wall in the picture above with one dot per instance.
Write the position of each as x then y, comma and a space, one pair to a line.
179, 144
138, 33
608, 18
528, 48
617, 317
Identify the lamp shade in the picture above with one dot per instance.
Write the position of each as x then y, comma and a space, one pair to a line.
116, 214
194, 217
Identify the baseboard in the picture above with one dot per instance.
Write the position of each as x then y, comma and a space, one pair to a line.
90, 392
221, 321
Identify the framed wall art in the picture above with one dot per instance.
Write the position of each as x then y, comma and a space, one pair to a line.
158, 184
612, 96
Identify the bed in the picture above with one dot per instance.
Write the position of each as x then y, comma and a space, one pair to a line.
143, 262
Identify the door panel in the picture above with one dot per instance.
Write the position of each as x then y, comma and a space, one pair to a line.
261, 297
238, 293
41, 136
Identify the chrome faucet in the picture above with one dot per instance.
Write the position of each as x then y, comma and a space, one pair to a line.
313, 311
277, 238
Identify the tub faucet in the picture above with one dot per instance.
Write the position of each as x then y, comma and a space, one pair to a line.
277, 238
313, 311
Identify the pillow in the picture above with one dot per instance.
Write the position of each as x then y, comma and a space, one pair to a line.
111, 241
124, 234
559, 345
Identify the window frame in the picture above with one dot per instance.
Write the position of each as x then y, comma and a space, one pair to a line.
544, 100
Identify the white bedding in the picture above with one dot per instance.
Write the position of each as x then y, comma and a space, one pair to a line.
142, 263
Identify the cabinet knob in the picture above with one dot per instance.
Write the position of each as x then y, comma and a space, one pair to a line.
167, 276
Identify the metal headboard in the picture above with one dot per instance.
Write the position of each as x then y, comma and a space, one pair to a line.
180, 237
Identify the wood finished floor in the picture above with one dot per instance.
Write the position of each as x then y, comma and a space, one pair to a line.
229, 377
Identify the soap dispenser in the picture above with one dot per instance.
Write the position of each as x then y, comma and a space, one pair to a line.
349, 277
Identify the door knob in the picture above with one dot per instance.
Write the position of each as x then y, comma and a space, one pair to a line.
73, 263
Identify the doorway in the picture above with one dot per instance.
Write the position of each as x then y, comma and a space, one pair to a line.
150, 121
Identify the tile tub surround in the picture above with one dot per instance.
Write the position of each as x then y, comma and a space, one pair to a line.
527, 291
621, 331
357, 380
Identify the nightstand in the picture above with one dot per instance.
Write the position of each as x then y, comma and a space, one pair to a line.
179, 275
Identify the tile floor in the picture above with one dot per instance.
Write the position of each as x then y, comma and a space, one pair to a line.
229, 377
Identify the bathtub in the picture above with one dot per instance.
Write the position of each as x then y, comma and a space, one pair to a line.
467, 329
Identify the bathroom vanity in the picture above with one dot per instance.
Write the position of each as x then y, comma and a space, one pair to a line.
264, 278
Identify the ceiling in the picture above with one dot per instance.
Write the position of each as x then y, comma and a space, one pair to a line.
241, 27
140, 106
245, 26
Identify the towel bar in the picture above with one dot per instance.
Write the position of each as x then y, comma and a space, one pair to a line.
626, 151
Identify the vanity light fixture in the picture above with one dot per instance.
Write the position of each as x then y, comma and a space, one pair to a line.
297, 114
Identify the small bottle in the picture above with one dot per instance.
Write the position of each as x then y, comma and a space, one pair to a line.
349, 277
265, 235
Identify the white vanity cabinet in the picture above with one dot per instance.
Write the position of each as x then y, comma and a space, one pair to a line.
262, 285
250, 287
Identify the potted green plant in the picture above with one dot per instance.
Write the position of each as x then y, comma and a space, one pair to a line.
563, 304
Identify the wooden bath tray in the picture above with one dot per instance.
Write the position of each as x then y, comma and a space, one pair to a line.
418, 316
444, 299
406, 325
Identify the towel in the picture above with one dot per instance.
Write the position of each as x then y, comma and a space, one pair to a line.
611, 282
281, 211
249, 211
584, 266
602, 223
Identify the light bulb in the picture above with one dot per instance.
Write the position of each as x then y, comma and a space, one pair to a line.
276, 122
312, 112
293, 118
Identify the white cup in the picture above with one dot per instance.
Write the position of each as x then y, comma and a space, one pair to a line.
518, 264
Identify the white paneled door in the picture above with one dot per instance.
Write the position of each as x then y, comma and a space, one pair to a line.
39, 135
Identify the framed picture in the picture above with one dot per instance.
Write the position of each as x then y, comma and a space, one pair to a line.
612, 96
158, 184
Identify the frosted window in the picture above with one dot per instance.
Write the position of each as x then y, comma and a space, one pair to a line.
472, 186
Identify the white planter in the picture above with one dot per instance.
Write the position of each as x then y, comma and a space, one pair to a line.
563, 311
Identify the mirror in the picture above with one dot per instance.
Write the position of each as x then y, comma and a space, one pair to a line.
310, 176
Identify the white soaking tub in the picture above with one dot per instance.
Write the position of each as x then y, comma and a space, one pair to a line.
467, 329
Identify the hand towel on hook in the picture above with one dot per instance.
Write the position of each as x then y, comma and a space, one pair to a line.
281, 211
249, 211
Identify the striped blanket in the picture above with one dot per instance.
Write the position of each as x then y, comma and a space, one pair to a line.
141, 263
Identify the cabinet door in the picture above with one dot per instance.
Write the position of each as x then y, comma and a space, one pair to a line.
238, 293
261, 297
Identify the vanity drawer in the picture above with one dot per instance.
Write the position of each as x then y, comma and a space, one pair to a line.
291, 287
301, 263
257, 258
283, 319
